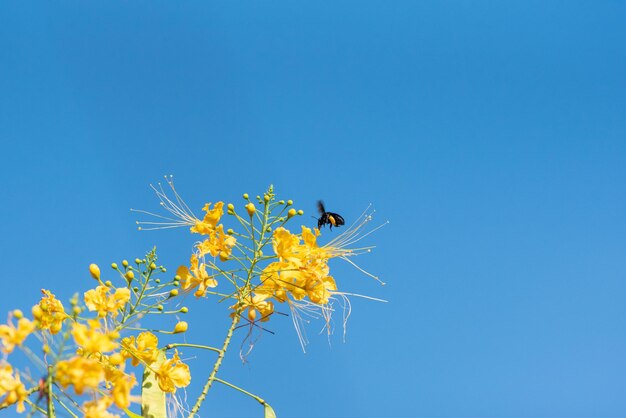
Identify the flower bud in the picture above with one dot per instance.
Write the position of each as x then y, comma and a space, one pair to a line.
153, 266
125, 263
94, 270
138, 261
76, 310
108, 283
157, 281
181, 327
291, 213
184, 309
17, 314
46, 349
163, 269
173, 292
281, 202
230, 231
129, 275
300, 212
245, 196
251, 314
250, 208
114, 266
160, 308
266, 198
289, 202
230, 207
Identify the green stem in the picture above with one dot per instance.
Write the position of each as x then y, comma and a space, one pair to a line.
216, 366
205, 347
256, 398
51, 413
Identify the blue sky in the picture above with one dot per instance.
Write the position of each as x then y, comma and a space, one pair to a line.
491, 134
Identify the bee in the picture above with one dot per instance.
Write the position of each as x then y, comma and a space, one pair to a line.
328, 218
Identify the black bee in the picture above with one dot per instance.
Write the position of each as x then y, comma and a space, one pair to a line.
328, 218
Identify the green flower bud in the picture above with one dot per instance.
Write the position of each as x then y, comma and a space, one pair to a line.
114, 266
125, 263
184, 309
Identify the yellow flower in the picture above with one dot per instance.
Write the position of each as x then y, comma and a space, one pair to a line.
173, 374
92, 340
143, 349
49, 313
218, 243
211, 218
121, 387
196, 277
80, 372
254, 304
98, 299
285, 244
98, 408
12, 387
12, 336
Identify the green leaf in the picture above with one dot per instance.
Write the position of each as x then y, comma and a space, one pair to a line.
131, 414
269, 412
152, 397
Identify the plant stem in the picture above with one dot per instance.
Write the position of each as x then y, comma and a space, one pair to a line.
216, 366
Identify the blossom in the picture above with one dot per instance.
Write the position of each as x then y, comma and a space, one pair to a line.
92, 340
12, 336
196, 277
122, 384
98, 299
98, 408
254, 304
80, 372
218, 243
211, 218
12, 388
142, 349
49, 313
172, 373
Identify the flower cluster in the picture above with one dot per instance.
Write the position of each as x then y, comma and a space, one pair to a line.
85, 353
296, 274
93, 350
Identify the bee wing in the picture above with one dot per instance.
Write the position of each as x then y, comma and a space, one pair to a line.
339, 219
320, 206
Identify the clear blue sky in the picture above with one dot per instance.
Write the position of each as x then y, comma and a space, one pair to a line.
491, 134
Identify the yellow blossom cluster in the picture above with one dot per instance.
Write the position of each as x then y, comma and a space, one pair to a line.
301, 270
11, 388
100, 300
12, 336
219, 243
49, 313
